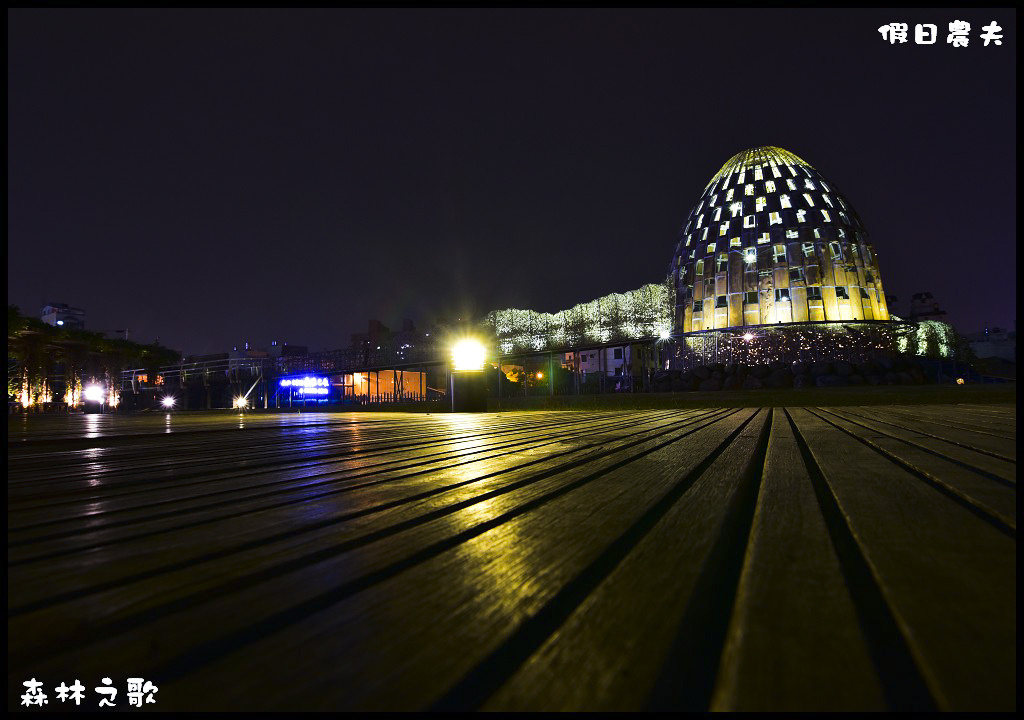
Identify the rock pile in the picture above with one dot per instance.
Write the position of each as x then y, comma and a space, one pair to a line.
839, 373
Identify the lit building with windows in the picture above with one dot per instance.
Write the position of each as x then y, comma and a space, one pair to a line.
773, 241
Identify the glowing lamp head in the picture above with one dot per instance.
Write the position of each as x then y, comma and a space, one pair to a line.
540, 376
93, 393
468, 354
665, 334
960, 381
748, 336
241, 403
167, 402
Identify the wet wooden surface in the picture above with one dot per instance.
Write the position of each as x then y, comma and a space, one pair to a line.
748, 559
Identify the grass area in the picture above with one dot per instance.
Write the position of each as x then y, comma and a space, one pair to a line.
837, 396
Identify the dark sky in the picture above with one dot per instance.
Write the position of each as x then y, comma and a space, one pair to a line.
211, 177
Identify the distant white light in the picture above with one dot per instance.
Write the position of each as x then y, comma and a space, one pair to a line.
665, 334
94, 393
241, 403
748, 337
167, 402
468, 354
60, 322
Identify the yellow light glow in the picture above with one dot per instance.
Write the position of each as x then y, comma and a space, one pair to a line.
241, 403
540, 376
94, 393
468, 354
960, 381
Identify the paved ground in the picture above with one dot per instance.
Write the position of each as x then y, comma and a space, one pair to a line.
773, 558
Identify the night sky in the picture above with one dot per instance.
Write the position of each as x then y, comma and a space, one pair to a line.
211, 177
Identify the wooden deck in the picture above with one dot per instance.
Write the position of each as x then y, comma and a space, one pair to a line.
724, 559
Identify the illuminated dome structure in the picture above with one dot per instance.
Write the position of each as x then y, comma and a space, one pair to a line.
773, 241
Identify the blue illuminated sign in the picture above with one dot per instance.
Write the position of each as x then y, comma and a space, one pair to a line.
308, 385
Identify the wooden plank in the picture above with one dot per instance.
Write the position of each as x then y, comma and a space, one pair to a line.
222, 615
948, 576
940, 466
610, 653
795, 642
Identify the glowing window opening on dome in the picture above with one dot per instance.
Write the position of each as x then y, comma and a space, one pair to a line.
824, 186
784, 200
800, 214
723, 229
779, 253
841, 232
748, 189
704, 236
700, 268
808, 185
764, 239
824, 214
728, 195
718, 214
809, 199
792, 171
689, 239
736, 208
790, 184
734, 242
793, 234
723, 262
714, 199
749, 221
774, 218
845, 218
782, 295
758, 175
750, 256
817, 234
700, 220
834, 251
760, 204
711, 248
769, 186
828, 200
775, 171
808, 249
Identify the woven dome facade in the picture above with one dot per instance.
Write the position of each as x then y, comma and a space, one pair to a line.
773, 241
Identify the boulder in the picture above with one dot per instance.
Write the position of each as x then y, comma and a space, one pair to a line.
752, 383
780, 378
710, 384
803, 381
732, 382
760, 371
821, 367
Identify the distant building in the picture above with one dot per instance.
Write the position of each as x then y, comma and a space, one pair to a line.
994, 342
63, 315
924, 307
